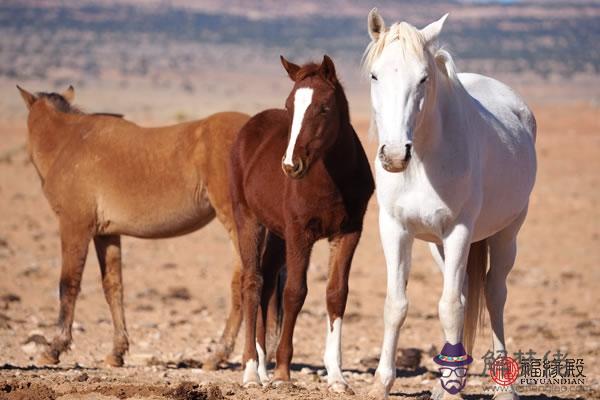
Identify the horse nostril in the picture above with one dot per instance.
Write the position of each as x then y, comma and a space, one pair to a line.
382, 152
407, 154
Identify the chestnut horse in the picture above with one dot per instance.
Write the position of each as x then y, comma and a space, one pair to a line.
322, 192
105, 177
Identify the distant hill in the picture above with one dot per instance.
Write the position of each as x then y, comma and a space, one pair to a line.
544, 37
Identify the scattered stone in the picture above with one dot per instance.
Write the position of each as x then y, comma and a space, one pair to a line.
178, 293
144, 307
409, 358
193, 391
82, 377
36, 338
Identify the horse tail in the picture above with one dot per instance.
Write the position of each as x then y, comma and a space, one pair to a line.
476, 270
274, 331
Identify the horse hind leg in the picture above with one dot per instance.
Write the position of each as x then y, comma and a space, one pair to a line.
268, 317
226, 343
503, 251
108, 250
251, 236
75, 238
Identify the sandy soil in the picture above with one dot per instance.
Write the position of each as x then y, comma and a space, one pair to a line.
552, 300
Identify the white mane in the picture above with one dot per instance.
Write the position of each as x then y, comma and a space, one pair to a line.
413, 45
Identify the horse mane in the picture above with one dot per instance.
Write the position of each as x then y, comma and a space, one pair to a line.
413, 45
62, 105
412, 39
59, 102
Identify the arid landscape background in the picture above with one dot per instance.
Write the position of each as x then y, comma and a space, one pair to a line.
160, 62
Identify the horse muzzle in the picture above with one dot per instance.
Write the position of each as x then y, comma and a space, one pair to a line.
295, 171
395, 158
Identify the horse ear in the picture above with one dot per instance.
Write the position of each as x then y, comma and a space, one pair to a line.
69, 94
291, 68
432, 31
27, 97
375, 23
327, 69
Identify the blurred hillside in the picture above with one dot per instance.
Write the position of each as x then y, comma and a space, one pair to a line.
136, 55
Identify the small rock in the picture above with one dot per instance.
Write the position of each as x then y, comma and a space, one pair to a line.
409, 358
82, 377
178, 293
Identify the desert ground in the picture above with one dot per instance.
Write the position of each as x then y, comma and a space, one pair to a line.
176, 292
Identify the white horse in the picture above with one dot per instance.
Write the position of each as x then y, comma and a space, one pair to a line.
455, 167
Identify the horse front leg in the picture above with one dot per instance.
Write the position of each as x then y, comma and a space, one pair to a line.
340, 260
297, 257
226, 343
397, 246
451, 309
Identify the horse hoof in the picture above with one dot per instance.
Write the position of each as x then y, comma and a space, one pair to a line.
48, 357
114, 360
377, 391
340, 387
211, 364
252, 385
280, 383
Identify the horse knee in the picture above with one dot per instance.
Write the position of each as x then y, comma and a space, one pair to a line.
395, 309
294, 295
451, 311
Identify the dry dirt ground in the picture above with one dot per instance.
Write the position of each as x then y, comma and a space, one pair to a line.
176, 292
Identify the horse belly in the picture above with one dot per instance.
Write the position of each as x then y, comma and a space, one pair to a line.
152, 218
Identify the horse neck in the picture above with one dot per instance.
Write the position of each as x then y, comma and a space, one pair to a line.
343, 151
442, 112
48, 134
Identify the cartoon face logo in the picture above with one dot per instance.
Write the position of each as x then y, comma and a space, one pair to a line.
453, 379
453, 362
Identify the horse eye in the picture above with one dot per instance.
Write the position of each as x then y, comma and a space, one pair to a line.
423, 80
324, 110
373, 76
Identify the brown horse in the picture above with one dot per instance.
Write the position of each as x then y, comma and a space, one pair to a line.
105, 177
322, 192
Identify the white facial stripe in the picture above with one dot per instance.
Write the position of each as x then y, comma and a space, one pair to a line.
302, 99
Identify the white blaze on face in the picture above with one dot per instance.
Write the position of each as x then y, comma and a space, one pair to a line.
302, 99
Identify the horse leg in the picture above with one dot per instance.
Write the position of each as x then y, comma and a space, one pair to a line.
75, 238
251, 238
108, 249
297, 258
340, 260
272, 259
503, 251
397, 248
452, 302
234, 320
